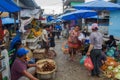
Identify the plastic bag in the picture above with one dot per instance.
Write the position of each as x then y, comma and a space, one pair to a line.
88, 64
110, 52
82, 60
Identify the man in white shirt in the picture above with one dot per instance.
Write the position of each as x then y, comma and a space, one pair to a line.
45, 39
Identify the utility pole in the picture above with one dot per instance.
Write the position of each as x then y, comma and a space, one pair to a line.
63, 5
18, 12
53, 12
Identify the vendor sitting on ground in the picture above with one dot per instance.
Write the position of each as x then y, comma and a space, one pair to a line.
111, 42
19, 69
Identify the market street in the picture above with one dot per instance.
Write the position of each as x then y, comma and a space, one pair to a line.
59, 40
70, 70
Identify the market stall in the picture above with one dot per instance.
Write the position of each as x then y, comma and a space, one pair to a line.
5, 6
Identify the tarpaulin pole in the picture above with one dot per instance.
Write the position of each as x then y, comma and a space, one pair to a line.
1, 31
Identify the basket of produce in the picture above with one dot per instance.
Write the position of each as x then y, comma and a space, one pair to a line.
65, 48
111, 69
39, 54
47, 68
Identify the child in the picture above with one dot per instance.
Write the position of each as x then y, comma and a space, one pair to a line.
103, 55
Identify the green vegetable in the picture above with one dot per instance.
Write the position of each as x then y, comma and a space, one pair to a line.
115, 70
118, 66
110, 67
117, 76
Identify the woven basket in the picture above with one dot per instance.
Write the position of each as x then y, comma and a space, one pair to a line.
30, 54
48, 74
39, 54
42, 62
65, 50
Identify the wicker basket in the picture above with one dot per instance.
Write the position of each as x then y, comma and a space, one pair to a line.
39, 53
65, 50
47, 74
30, 54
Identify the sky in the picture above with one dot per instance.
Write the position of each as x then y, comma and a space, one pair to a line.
52, 6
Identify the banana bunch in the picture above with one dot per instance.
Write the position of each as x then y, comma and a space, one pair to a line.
36, 32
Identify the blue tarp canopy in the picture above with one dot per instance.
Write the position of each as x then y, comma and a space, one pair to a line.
57, 21
50, 18
8, 21
8, 6
98, 5
78, 14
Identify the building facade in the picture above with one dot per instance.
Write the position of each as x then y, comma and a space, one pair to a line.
114, 28
70, 3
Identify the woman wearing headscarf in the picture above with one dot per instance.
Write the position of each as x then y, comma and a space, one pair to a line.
94, 51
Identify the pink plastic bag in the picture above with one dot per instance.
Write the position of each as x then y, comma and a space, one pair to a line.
88, 64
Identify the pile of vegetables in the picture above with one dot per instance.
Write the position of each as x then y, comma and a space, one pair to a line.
111, 68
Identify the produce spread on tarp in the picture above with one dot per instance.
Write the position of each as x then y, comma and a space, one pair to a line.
111, 68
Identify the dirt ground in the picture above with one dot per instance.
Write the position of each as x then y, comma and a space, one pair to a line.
67, 70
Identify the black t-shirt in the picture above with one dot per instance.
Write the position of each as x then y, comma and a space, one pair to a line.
111, 43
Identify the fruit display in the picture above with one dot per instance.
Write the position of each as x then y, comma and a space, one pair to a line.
34, 23
37, 32
31, 36
111, 69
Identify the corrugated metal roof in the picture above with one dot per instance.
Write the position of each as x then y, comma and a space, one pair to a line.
67, 2
29, 3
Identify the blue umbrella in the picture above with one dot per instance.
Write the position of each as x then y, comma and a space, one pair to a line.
8, 6
78, 14
98, 5
8, 21
94, 17
57, 20
50, 18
